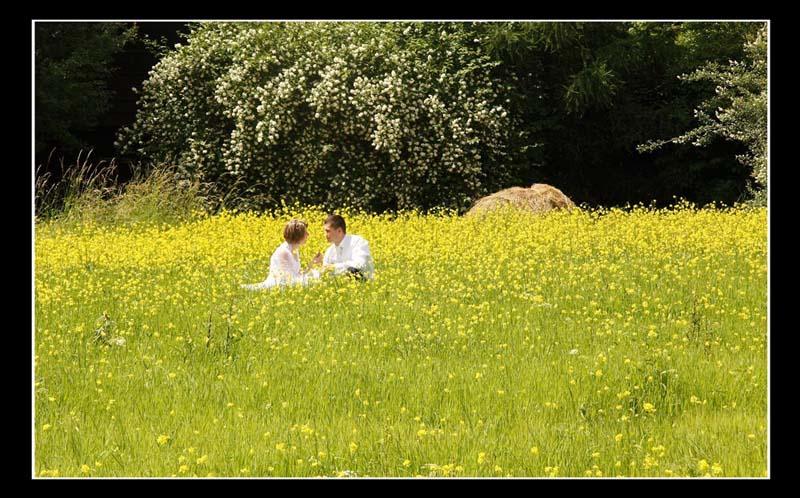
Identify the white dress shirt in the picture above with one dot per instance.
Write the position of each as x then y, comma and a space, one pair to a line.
352, 252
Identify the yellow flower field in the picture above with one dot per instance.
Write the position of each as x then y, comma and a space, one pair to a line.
586, 343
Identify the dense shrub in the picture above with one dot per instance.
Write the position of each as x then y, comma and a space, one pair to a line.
370, 115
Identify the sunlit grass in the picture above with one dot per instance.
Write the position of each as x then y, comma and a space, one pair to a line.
602, 343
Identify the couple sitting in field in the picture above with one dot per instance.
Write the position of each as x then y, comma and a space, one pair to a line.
348, 255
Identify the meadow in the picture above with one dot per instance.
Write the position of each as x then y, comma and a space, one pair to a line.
587, 343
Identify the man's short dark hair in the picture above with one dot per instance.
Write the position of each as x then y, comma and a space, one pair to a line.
336, 221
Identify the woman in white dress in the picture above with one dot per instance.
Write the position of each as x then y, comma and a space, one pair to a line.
284, 265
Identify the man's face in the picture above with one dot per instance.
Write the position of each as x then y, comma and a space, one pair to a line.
333, 235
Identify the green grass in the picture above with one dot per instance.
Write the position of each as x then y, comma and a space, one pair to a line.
480, 339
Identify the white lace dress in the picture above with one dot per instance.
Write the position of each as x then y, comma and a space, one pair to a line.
284, 269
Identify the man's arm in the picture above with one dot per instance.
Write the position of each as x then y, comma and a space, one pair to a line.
361, 255
358, 259
327, 259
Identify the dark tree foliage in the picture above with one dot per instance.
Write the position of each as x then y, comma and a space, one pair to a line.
73, 62
591, 92
583, 97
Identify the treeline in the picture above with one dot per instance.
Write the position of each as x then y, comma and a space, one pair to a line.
399, 115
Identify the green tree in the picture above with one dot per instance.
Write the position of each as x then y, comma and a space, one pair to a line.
591, 92
737, 110
73, 61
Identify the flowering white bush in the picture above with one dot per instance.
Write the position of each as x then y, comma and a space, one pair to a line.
367, 115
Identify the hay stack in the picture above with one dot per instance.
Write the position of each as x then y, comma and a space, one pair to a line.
539, 198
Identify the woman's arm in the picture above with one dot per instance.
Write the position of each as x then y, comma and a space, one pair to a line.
288, 267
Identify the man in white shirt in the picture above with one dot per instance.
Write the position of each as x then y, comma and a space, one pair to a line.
348, 254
